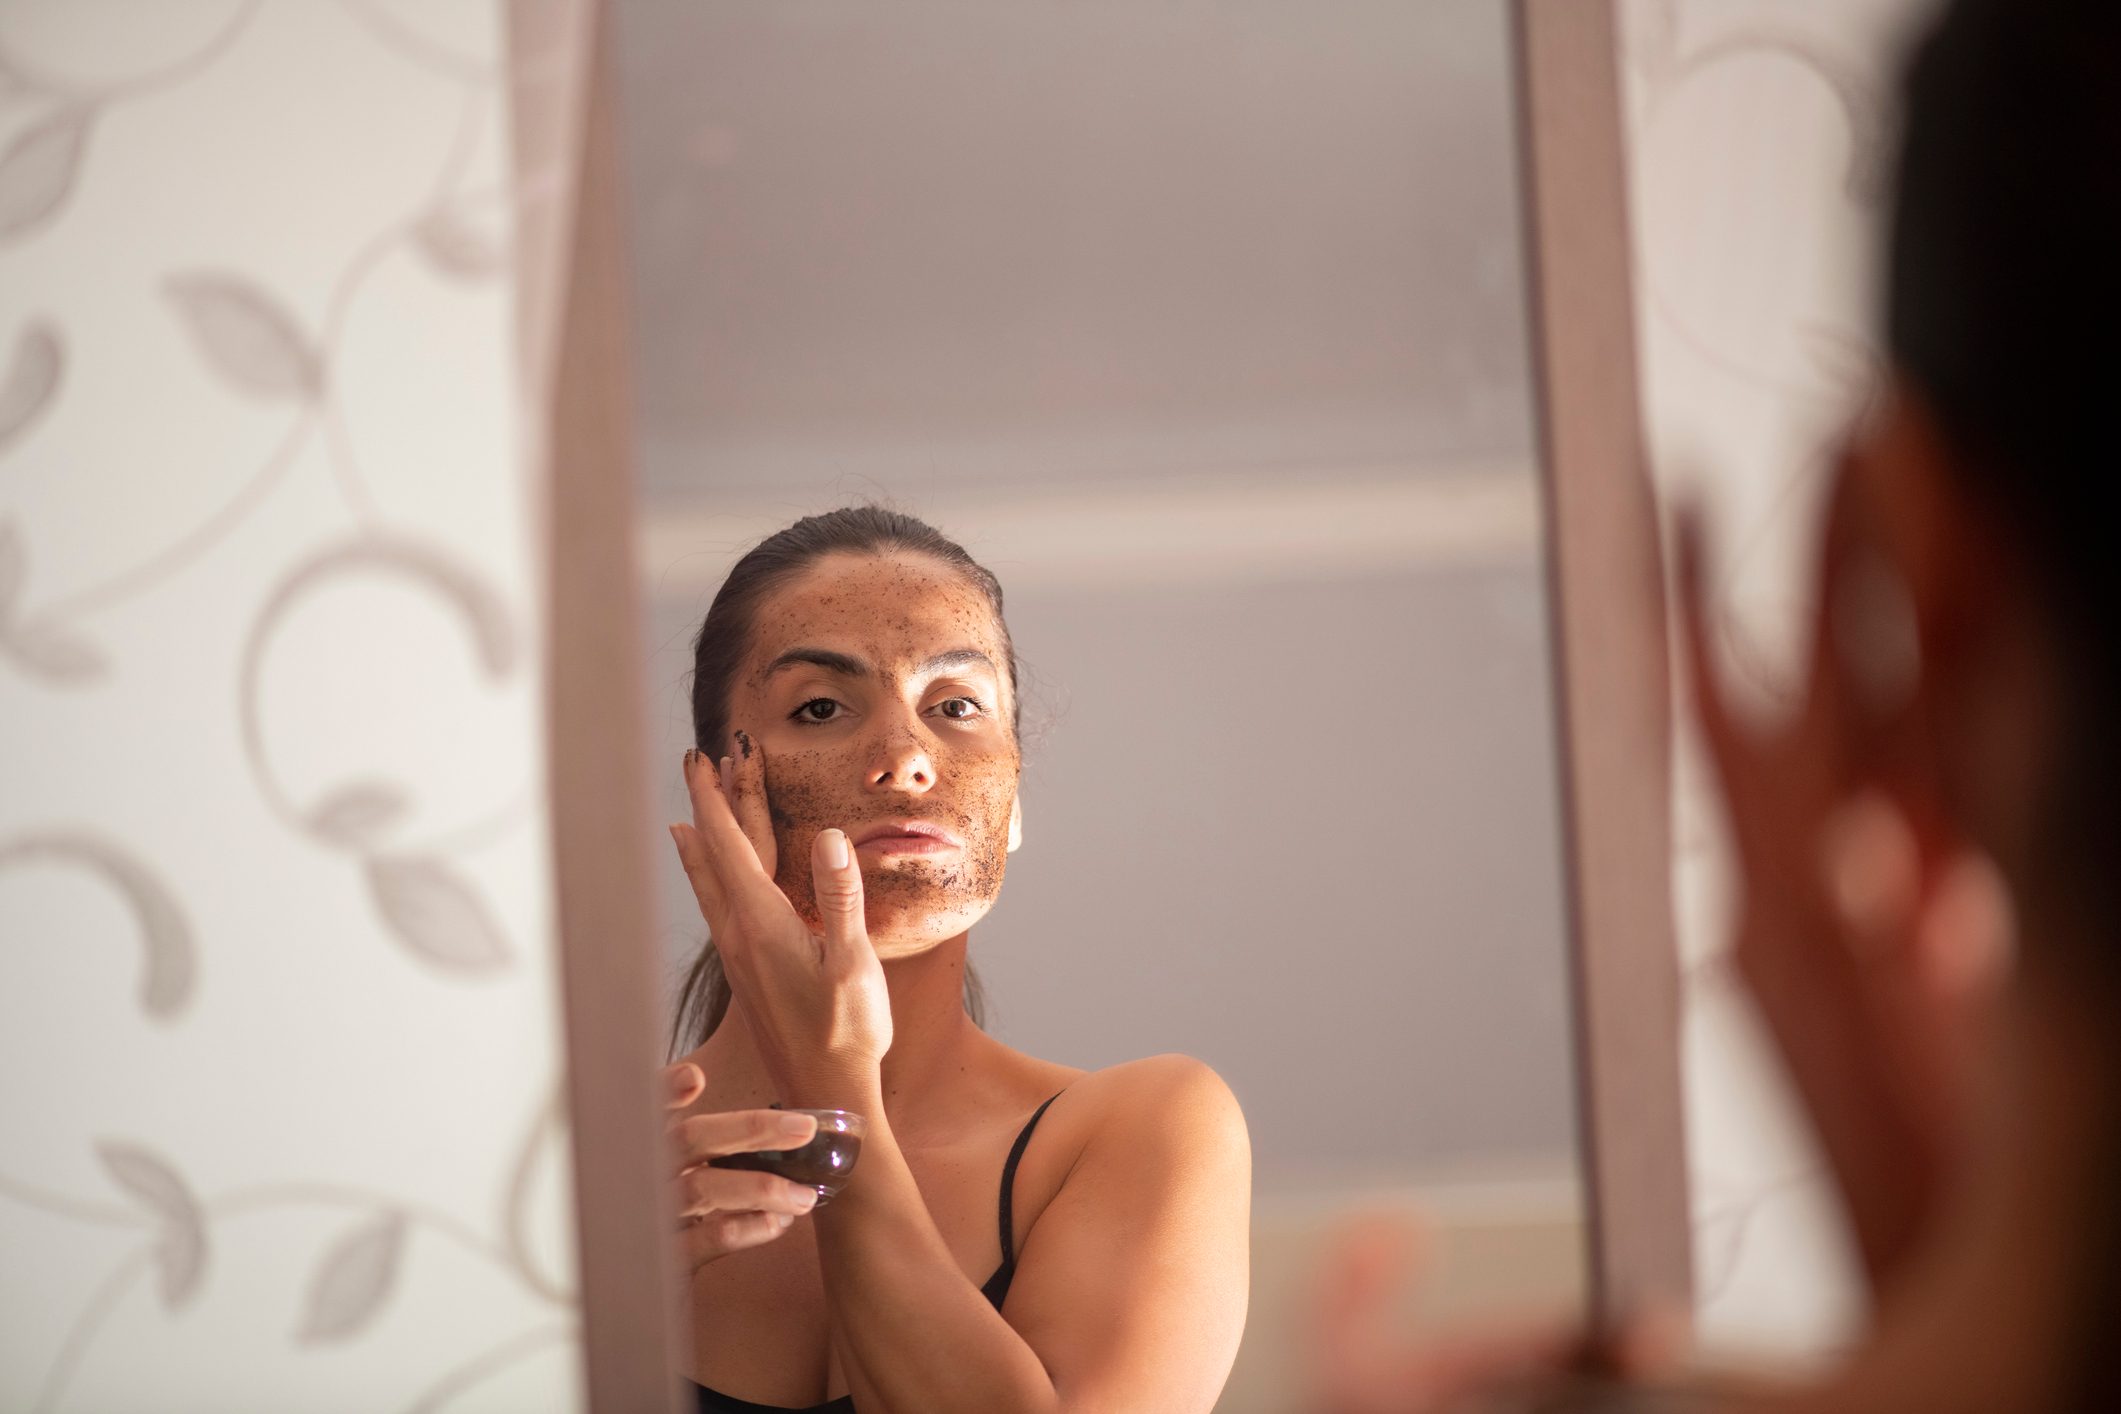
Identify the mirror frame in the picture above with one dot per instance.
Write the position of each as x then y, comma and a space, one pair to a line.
1606, 579
571, 323
1610, 659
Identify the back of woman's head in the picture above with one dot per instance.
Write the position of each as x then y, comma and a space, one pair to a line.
2004, 284
718, 653
2004, 313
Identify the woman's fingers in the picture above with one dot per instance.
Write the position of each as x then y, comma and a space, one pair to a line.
1718, 730
836, 880
1367, 1362
1969, 930
719, 1211
709, 1238
699, 1138
1871, 871
710, 807
682, 1084
746, 789
1959, 956
700, 872
709, 1192
729, 853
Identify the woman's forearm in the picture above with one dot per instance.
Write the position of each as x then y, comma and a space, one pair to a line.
914, 1333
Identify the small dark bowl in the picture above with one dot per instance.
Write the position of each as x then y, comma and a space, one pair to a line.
822, 1164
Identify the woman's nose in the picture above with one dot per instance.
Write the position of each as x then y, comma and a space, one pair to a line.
902, 763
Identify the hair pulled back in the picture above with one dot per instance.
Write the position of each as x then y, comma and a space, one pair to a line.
2004, 286
718, 652
2003, 295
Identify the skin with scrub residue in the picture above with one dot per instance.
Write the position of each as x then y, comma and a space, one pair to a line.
887, 745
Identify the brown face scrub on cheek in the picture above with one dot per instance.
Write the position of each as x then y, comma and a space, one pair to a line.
911, 895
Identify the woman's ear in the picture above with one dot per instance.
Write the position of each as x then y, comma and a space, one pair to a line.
1016, 824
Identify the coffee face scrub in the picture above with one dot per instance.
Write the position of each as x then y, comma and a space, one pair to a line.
880, 691
907, 897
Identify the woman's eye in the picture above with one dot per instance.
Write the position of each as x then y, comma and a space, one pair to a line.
966, 708
817, 709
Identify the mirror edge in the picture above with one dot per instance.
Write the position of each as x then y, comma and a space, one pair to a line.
1606, 598
575, 392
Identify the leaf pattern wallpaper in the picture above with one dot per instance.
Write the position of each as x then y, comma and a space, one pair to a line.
280, 990
1759, 144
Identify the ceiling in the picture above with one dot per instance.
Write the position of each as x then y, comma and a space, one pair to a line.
917, 246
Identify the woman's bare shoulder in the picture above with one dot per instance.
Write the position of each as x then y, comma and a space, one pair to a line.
1159, 1135
1176, 1099
1154, 1079
1150, 1086
1173, 1097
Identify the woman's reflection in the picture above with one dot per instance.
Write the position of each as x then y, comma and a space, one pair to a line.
1019, 1234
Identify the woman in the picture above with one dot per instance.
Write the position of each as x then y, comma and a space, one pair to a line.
1930, 844
1951, 779
1018, 1234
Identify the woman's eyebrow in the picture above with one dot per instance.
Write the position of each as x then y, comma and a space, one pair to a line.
842, 663
847, 665
957, 658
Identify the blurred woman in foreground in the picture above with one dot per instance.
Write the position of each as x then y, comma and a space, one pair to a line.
1947, 787
1950, 778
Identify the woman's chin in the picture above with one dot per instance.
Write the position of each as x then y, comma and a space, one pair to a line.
898, 936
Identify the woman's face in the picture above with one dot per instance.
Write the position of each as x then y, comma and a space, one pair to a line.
877, 687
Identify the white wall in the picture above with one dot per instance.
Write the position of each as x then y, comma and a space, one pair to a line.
1761, 142
277, 993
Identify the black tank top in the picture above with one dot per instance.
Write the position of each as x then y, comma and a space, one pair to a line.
997, 1287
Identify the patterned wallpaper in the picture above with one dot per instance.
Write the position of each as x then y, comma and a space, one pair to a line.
279, 1009
1760, 137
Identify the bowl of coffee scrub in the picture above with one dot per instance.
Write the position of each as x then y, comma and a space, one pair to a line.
822, 1164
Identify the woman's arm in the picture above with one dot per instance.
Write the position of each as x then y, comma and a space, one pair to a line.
1130, 1289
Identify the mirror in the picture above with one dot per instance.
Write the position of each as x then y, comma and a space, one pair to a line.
1203, 325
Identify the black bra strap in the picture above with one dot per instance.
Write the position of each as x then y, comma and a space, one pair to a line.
1016, 1153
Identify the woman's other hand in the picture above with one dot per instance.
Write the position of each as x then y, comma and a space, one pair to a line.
1365, 1359
815, 1001
720, 1211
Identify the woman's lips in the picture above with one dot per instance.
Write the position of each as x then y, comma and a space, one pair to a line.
907, 837
907, 844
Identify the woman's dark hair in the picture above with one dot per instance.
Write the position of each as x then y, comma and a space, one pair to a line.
725, 637
2003, 308
2003, 287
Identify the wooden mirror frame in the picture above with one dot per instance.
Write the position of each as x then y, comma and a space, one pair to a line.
1606, 602
571, 306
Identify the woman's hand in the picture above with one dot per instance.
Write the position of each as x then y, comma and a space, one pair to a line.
815, 999
1867, 932
1365, 1359
720, 1211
